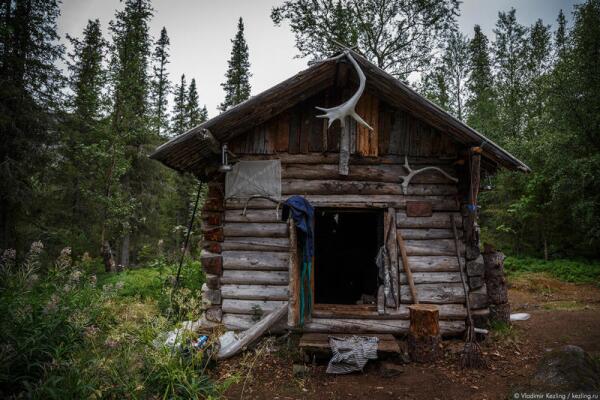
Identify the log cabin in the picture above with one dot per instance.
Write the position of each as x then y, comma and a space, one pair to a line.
400, 185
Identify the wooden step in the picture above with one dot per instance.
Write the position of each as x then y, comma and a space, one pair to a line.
320, 341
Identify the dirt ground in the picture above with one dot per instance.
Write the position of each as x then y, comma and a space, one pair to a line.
561, 313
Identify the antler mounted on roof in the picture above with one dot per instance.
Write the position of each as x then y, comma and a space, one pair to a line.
347, 108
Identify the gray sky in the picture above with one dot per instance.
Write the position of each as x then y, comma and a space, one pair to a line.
201, 30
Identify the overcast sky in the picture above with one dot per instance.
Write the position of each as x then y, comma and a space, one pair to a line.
201, 30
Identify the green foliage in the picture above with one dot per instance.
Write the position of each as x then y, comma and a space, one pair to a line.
30, 105
237, 77
554, 211
68, 334
160, 85
397, 35
565, 270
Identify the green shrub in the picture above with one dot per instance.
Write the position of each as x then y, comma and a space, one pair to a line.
565, 270
66, 334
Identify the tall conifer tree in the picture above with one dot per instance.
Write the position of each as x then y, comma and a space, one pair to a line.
193, 110
161, 86
237, 84
130, 117
179, 121
85, 141
30, 86
455, 60
481, 103
510, 56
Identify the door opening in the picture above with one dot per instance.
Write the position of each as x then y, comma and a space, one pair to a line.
346, 245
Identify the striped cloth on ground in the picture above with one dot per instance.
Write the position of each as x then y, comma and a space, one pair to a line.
351, 353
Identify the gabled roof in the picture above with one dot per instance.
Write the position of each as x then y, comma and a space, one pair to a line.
191, 150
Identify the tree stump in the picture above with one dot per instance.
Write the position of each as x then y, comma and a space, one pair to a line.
424, 338
497, 289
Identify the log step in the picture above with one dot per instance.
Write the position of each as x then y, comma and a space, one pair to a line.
349, 311
320, 341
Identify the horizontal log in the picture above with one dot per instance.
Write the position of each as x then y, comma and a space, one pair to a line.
426, 233
439, 220
254, 292
212, 204
333, 158
253, 216
432, 277
256, 244
241, 322
255, 277
332, 187
249, 306
213, 233
438, 203
377, 173
211, 263
435, 247
234, 229
256, 260
433, 263
447, 328
212, 218
447, 311
435, 293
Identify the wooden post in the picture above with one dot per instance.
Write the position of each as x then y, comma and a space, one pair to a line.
294, 278
424, 336
406, 266
345, 147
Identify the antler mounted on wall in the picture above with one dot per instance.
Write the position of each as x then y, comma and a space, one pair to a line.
347, 108
412, 172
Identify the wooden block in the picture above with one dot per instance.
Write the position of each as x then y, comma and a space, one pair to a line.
213, 247
419, 209
213, 233
216, 190
476, 267
213, 204
424, 333
210, 297
213, 281
212, 218
212, 264
387, 343
214, 314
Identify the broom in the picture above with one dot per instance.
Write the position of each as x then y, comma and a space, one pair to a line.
472, 356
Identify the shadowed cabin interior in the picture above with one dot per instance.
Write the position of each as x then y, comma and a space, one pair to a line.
346, 244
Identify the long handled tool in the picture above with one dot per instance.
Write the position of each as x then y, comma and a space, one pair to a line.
472, 356
406, 266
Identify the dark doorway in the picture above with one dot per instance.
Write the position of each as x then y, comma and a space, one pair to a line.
346, 244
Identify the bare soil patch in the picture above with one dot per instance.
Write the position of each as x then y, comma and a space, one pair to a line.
561, 313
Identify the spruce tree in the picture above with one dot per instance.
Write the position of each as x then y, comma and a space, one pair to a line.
85, 143
30, 98
193, 111
560, 36
510, 56
455, 60
179, 116
434, 86
161, 86
130, 118
481, 102
237, 84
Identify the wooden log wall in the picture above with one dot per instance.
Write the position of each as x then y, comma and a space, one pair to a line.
248, 256
298, 131
256, 253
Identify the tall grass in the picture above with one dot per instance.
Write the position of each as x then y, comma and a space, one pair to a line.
565, 270
70, 333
